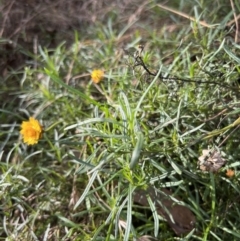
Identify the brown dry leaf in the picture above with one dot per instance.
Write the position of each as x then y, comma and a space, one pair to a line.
179, 217
211, 161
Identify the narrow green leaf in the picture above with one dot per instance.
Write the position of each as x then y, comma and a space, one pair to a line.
137, 150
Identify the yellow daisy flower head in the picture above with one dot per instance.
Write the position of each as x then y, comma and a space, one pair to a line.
97, 75
31, 131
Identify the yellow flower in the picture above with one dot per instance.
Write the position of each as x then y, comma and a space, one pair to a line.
31, 131
97, 75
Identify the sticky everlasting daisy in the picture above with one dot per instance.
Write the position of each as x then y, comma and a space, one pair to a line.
31, 131
97, 75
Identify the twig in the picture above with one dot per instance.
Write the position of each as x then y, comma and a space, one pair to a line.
236, 21
139, 62
30, 18
215, 116
225, 139
5, 18
203, 23
233, 21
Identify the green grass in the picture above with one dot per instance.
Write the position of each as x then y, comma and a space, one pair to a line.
103, 141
